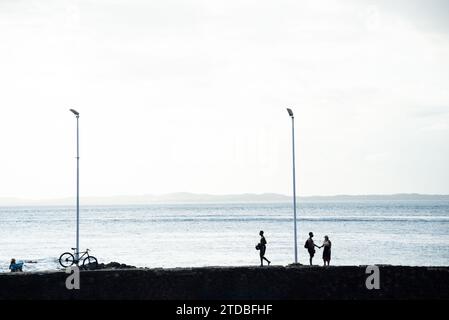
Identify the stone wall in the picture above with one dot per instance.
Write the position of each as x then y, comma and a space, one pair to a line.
299, 282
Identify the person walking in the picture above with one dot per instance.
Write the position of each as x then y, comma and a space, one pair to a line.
262, 247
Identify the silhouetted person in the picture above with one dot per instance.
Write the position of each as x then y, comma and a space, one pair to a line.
327, 244
262, 247
310, 246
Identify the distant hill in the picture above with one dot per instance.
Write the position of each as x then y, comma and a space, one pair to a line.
379, 197
185, 197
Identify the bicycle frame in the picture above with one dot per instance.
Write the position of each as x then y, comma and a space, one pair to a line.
84, 253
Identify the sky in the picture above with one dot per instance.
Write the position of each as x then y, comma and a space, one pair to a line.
190, 96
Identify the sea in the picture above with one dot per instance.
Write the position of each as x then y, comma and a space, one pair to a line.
413, 233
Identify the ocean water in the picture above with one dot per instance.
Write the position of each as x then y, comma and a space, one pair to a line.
368, 232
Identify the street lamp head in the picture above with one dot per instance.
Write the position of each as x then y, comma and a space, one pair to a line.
76, 113
290, 112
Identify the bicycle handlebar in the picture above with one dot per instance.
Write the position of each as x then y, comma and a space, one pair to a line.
87, 250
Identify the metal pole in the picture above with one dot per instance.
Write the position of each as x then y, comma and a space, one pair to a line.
77, 191
294, 188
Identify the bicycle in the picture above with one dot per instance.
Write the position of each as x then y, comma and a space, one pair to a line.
89, 263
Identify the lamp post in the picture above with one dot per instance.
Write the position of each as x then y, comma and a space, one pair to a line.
76, 113
290, 113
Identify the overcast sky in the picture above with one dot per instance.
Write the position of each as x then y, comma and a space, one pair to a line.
191, 96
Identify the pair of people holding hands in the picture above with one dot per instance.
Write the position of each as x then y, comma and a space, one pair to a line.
310, 246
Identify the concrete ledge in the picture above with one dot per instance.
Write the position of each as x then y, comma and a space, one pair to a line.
274, 282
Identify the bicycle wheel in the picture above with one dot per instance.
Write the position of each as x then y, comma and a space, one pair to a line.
90, 263
66, 259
